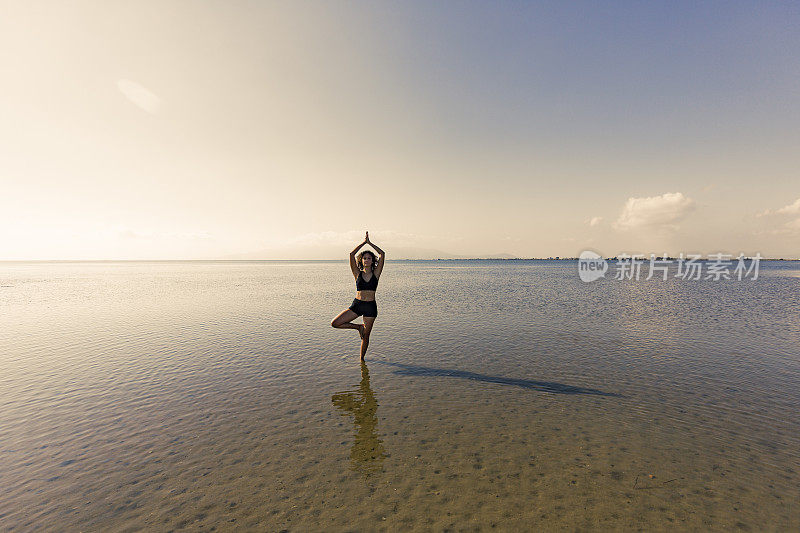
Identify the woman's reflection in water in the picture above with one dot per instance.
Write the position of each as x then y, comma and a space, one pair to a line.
367, 453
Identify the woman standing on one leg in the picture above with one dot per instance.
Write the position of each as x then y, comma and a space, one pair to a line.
364, 302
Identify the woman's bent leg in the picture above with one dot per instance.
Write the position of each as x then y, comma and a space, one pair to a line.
343, 320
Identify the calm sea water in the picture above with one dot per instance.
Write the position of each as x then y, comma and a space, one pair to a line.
495, 394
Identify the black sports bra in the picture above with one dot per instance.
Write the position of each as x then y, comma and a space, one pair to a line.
364, 285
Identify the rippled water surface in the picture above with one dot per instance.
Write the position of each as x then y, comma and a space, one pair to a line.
495, 394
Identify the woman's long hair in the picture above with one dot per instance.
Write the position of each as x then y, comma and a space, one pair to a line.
360, 260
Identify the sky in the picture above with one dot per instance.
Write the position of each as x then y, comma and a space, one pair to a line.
277, 130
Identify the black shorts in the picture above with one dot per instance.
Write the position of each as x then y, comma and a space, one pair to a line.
361, 307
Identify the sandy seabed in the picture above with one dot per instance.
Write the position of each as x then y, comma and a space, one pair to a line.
472, 458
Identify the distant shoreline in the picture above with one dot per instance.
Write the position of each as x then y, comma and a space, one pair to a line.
554, 259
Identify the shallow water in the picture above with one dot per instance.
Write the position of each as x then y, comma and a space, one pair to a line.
505, 394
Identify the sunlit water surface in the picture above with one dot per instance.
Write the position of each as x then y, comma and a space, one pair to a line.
505, 394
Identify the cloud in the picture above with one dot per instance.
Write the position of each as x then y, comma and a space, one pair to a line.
122, 232
791, 209
140, 96
325, 237
655, 211
127, 233
594, 221
791, 227
353, 237
188, 235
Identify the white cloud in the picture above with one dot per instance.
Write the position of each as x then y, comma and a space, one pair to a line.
655, 211
791, 209
351, 238
127, 233
188, 235
792, 227
594, 221
794, 224
122, 232
140, 96
326, 237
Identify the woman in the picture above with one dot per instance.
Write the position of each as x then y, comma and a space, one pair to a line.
364, 302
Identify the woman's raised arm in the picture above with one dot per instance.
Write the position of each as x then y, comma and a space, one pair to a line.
353, 265
379, 266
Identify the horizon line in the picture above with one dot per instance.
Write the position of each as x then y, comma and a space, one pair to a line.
555, 258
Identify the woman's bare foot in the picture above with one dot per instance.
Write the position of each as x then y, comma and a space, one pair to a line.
361, 330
